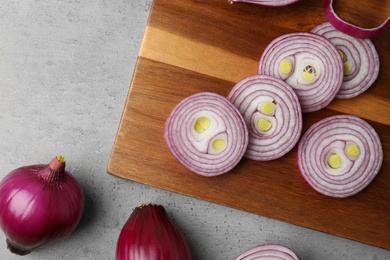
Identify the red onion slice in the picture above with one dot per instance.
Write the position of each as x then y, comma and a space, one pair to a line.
268, 251
270, 3
272, 114
309, 63
361, 60
340, 155
206, 133
351, 29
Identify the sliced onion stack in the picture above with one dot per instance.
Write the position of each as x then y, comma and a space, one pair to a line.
270, 3
350, 29
272, 114
361, 60
309, 63
340, 155
206, 133
268, 251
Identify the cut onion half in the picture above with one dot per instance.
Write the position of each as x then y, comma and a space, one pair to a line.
206, 133
270, 3
348, 28
340, 155
309, 63
268, 251
360, 58
272, 114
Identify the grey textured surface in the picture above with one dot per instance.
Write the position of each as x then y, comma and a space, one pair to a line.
65, 69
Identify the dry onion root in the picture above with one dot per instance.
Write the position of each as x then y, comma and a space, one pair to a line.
272, 113
206, 133
350, 29
340, 155
268, 251
309, 63
270, 3
360, 58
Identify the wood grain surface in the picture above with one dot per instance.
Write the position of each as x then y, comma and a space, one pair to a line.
191, 46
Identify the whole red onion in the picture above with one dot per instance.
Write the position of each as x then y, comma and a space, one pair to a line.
39, 205
149, 234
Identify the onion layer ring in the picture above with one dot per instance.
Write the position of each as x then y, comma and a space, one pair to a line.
262, 97
309, 63
361, 60
206, 133
268, 251
340, 155
270, 3
351, 29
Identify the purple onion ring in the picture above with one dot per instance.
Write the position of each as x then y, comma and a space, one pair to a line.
309, 63
206, 133
361, 60
268, 251
269, 3
340, 155
262, 97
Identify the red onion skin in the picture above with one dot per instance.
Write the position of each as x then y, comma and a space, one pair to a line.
149, 234
351, 29
40, 205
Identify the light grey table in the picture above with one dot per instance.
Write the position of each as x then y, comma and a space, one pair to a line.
65, 69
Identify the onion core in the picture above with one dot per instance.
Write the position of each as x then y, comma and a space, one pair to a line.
340, 155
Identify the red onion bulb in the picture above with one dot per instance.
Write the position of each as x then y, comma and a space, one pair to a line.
361, 60
268, 252
340, 155
206, 133
39, 205
309, 63
150, 234
350, 29
272, 113
270, 3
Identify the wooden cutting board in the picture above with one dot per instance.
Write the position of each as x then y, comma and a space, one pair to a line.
191, 46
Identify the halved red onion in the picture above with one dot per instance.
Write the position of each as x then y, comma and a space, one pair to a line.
270, 3
340, 155
206, 133
361, 60
309, 63
268, 251
272, 114
349, 28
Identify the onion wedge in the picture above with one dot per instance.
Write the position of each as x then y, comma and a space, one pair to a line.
267, 252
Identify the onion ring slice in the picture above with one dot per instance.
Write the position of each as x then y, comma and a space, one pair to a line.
268, 251
309, 63
206, 133
270, 3
272, 114
349, 28
361, 60
340, 155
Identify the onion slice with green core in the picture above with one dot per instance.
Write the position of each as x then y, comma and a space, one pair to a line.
269, 3
360, 58
268, 251
348, 28
272, 114
340, 155
206, 133
309, 63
